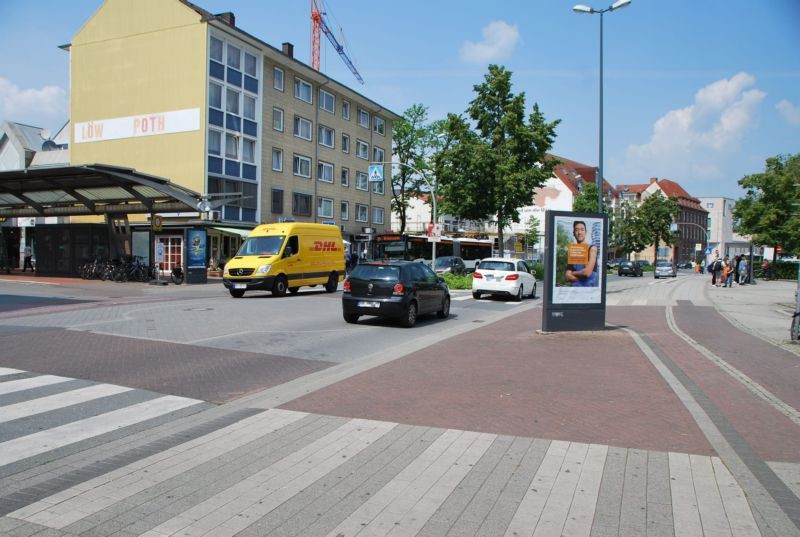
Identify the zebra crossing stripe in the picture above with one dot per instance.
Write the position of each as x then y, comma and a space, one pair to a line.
26, 384
44, 441
57, 401
8, 371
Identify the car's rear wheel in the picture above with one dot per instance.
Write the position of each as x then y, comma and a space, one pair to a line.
280, 286
351, 318
333, 283
444, 313
518, 298
533, 293
476, 295
410, 317
236, 293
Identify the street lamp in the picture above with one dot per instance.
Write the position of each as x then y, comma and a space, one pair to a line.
580, 8
431, 187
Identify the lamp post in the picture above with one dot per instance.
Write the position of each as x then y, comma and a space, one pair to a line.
431, 187
580, 8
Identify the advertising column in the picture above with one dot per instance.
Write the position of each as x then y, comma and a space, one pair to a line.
196, 241
575, 283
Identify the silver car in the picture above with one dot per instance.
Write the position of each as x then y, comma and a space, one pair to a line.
665, 269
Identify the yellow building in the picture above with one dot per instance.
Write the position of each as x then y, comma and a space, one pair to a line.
169, 89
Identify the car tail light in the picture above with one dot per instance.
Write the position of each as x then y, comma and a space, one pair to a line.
398, 289
512, 277
477, 275
346, 286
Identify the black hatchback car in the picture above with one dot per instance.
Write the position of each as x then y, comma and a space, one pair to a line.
400, 290
630, 268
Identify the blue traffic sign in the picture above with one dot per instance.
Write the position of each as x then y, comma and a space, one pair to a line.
376, 174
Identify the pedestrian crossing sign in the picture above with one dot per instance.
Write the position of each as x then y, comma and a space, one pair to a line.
376, 174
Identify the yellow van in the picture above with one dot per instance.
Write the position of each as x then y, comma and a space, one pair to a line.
283, 257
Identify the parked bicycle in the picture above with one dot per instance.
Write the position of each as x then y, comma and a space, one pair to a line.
177, 275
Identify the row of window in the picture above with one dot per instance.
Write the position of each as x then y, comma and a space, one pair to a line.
302, 128
301, 167
302, 206
303, 90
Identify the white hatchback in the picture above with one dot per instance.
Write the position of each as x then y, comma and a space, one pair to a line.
503, 276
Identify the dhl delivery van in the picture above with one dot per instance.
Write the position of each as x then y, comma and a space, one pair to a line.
286, 256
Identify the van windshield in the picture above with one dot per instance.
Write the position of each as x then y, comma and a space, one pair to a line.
270, 245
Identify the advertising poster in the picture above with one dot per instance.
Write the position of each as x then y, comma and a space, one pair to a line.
196, 251
578, 260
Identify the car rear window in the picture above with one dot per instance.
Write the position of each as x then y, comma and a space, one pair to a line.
375, 272
497, 265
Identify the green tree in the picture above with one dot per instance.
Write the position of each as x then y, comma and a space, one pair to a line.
489, 172
653, 219
410, 137
531, 236
622, 235
770, 210
586, 200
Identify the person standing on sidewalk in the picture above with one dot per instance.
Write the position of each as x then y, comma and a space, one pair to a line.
728, 270
736, 262
28, 259
743, 272
716, 271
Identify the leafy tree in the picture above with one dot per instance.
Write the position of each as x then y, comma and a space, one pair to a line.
492, 170
770, 210
653, 219
531, 236
409, 138
586, 200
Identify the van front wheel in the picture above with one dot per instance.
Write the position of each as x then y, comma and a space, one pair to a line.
280, 286
333, 283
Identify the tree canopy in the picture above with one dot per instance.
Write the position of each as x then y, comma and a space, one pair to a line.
770, 210
492, 170
409, 138
586, 200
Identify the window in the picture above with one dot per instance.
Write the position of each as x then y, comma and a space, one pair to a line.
377, 187
363, 118
377, 215
301, 205
234, 57
232, 101
325, 172
362, 149
302, 90
327, 101
277, 119
277, 160
325, 136
361, 181
377, 154
302, 128
345, 143
301, 166
277, 201
379, 125
231, 146
250, 65
214, 143
215, 96
216, 49
344, 210
346, 110
361, 212
345, 175
277, 78
325, 208
249, 110
248, 150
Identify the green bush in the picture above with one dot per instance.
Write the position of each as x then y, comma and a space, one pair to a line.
455, 281
784, 270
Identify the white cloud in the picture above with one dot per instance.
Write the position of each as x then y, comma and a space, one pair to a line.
499, 40
790, 112
695, 142
32, 106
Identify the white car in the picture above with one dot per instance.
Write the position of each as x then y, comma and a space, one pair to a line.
503, 276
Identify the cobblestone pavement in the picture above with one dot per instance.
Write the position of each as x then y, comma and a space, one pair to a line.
676, 420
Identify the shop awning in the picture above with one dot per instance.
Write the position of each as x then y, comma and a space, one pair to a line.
243, 233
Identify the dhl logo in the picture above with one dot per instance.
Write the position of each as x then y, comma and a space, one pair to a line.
324, 246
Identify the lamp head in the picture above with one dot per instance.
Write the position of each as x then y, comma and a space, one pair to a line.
580, 8
619, 4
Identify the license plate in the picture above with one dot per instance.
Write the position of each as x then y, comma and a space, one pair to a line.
240, 286
365, 304
489, 277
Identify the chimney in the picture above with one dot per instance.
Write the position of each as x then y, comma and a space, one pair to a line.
288, 49
228, 18
653, 180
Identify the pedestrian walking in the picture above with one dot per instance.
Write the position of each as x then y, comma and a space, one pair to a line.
744, 274
28, 262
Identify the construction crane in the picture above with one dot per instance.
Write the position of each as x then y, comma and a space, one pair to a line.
318, 23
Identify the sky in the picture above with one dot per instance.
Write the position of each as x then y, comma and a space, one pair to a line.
699, 92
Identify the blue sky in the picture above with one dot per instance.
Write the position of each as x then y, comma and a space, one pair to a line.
700, 92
